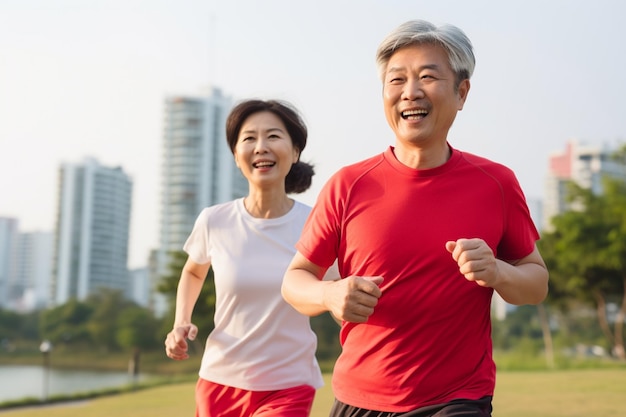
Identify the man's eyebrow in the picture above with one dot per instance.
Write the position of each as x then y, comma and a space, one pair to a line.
430, 66
435, 67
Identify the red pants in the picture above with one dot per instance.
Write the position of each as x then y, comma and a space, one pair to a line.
215, 400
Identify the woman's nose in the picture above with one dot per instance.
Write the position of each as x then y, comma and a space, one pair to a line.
261, 146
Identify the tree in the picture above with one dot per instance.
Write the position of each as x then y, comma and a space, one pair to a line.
327, 331
136, 330
108, 305
586, 254
204, 310
18, 327
136, 327
67, 323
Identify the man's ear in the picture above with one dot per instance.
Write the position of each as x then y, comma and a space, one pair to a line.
463, 91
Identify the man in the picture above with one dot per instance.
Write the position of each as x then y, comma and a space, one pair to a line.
423, 234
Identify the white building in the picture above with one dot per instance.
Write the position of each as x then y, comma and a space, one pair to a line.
25, 267
33, 271
140, 286
92, 231
8, 239
198, 169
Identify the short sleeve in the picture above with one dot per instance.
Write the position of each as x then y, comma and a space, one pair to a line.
197, 245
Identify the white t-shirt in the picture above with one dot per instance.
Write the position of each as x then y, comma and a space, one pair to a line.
260, 343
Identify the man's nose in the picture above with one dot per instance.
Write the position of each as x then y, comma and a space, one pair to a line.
413, 89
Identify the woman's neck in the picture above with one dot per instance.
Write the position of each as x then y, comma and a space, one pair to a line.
267, 206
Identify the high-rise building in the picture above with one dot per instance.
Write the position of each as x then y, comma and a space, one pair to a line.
33, 271
198, 169
92, 230
586, 166
25, 267
8, 239
139, 286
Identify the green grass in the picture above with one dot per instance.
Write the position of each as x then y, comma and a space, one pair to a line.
569, 393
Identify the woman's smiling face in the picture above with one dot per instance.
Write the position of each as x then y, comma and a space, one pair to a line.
264, 151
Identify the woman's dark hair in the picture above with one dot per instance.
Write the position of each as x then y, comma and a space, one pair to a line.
300, 175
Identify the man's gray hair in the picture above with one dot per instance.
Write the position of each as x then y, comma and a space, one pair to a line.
416, 32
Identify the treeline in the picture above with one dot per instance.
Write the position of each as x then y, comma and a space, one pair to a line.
105, 322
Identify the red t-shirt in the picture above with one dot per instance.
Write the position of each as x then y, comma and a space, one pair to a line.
429, 338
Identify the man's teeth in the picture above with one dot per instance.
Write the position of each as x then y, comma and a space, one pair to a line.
410, 113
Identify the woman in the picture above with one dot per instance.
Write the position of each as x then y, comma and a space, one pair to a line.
260, 358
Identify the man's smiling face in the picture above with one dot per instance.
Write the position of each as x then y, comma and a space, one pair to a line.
420, 94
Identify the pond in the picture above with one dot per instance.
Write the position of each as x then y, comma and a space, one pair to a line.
22, 381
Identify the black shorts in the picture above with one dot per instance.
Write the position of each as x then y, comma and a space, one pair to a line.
456, 408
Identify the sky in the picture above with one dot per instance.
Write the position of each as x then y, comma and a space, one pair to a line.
88, 78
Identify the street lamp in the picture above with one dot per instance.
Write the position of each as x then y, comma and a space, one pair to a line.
45, 348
